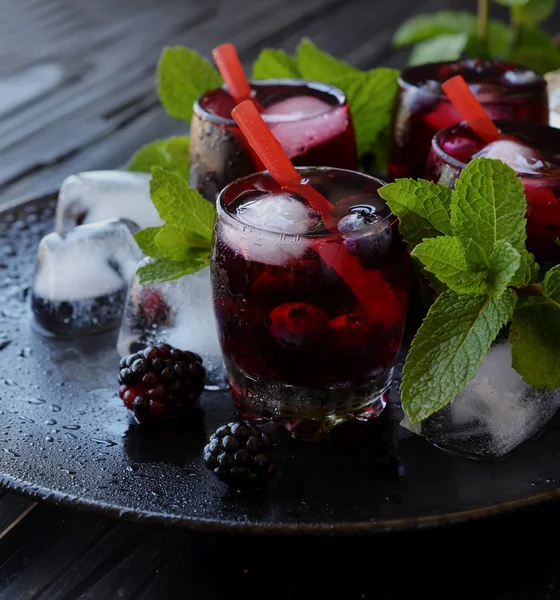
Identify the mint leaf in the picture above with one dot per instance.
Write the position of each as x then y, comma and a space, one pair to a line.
443, 47
449, 348
528, 270
175, 244
500, 40
535, 341
532, 12
511, 2
428, 26
551, 284
145, 238
489, 205
445, 257
504, 263
166, 270
317, 65
172, 154
423, 209
183, 75
371, 96
273, 64
536, 49
181, 206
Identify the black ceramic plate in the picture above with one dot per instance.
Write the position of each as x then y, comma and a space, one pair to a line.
66, 438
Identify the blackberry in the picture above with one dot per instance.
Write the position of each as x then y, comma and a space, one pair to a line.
239, 455
160, 382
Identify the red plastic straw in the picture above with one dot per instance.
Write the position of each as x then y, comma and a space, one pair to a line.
231, 70
470, 109
364, 284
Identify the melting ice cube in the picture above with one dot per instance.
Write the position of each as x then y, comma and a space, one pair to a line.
301, 123
278, 213
519, 157
178, 312
98, 195
81, 278
521, 76
494, 414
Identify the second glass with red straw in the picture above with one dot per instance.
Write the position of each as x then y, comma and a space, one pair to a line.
311, 120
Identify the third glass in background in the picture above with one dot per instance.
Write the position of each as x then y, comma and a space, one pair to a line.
311, 121
310, 320
536, 158
506, 90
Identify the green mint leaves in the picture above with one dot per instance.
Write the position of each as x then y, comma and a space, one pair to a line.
171, 154
183, 244
472, 240
371, 94
183, 76
449, 348
446, 35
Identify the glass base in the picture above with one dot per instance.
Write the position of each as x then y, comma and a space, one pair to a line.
307, 413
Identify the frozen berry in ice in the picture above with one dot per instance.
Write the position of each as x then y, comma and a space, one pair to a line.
152, 307
365, 234
160, 382
239, 455
298, 325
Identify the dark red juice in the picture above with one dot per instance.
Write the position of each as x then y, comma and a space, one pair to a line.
307, 343
537, 161
506, 90
311, 121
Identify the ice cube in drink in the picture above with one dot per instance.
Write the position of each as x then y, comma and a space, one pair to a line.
81, 278
506, 90
310, 320
535, 155
311, 120
99, 195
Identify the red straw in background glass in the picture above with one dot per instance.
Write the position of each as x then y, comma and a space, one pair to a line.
363, 283
463, 99
231, 70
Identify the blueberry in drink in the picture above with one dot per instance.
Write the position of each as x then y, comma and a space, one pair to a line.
306, 344
311, 121
506, 90
534, 154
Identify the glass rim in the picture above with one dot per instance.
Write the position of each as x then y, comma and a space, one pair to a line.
525, 90
337, 93
455, 162
223, 213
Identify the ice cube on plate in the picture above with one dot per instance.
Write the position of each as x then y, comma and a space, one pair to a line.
522, 158
301, 123
98, 195
494, 414
81, 278
178, 312
273, 226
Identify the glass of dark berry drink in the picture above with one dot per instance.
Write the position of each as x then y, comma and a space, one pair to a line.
506, 90
311, 121
310, 319
535, 155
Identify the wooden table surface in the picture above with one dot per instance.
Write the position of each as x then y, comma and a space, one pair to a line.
77, 93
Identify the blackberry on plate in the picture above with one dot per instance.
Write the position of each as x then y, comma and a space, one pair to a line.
239, 455
160, 382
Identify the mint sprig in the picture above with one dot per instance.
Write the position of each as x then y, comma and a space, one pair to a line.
472, 242
183, 244
172, 154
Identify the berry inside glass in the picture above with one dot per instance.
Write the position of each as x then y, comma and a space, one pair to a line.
536, 158
307, 344
506, 90
311, 121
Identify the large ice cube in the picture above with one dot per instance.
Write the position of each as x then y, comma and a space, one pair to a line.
494, 414
178, 312
278, 213
522, 158
98, 195
302, 123
81, 278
